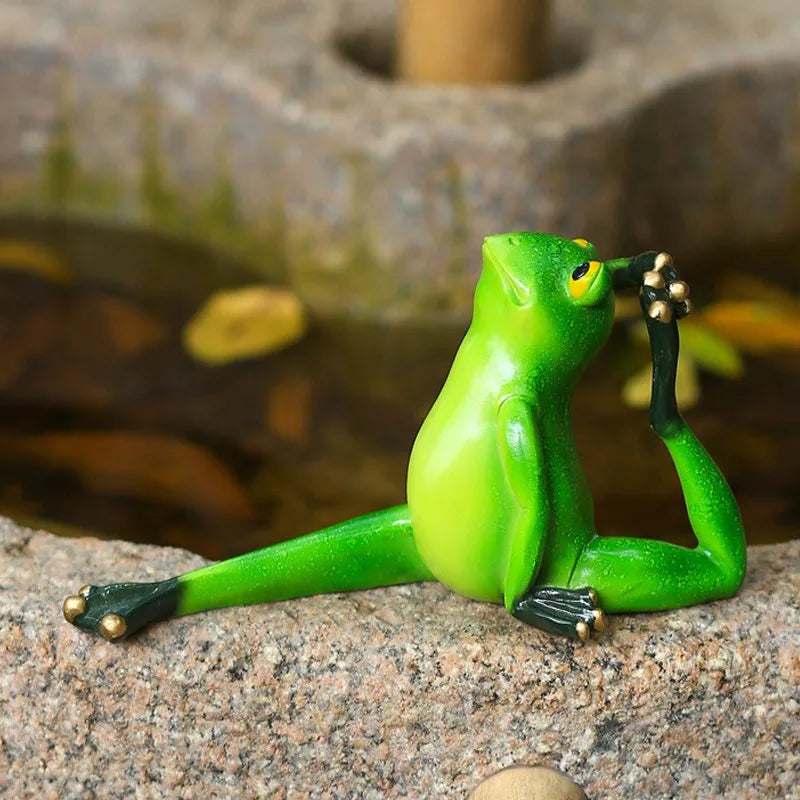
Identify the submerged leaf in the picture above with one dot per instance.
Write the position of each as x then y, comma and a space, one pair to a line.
30, 257
636, 391
130, 329
710, 350
750, 288
288, 409
144, 466
756, 327
687, 385
244, 323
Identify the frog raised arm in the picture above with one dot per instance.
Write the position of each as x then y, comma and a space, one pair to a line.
498, 507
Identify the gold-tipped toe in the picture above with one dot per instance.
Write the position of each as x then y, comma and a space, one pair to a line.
582, 629
662, 260
660, 310
654, 279
84, 590
74, 606
593, 596
600, 620
112, 627
678, 290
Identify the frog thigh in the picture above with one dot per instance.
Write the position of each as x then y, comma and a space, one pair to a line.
523, 467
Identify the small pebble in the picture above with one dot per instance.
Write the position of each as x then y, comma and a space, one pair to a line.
528, 783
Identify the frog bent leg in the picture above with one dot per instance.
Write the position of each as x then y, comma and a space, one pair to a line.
561, 610
638, 574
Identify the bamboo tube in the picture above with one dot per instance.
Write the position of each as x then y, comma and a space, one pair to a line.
471, 41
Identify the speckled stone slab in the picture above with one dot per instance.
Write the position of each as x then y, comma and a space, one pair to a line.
404, 692
246, 126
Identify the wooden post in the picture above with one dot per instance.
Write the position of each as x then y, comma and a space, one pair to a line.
471, 41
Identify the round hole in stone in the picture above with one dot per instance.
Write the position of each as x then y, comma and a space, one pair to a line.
365, 36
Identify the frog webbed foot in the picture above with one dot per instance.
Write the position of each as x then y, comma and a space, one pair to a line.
119, 609
570, 612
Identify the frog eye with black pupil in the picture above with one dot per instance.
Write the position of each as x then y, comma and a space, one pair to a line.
583, 278
580, 271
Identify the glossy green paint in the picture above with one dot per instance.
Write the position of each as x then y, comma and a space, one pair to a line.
494, 473
498, 506
373, 550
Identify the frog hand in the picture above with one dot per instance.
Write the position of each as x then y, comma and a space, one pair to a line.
663, 296
664, 299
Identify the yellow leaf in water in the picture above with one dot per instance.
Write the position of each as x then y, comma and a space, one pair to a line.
756, 290
143, 466
33, 258
709, 350
244, 323
687, 385
756, 327
636, 391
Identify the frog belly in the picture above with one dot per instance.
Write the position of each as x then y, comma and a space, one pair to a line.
461, 524
465, 563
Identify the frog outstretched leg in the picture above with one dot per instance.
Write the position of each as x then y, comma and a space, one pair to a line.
632, 574
374, 550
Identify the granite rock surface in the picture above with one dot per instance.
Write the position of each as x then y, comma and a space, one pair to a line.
266, 129
402, 692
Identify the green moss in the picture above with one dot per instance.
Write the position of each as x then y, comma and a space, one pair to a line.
275, 241
160, 203
19, 194
324, 273
221, 212
360, 256
218, 214
459, 221
60, 162
95, 193
459, 289
60, 187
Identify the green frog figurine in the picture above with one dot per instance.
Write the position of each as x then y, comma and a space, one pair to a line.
498, 507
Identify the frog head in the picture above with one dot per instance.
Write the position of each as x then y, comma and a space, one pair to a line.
549, 296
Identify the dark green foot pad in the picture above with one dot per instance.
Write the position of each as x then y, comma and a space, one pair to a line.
120, 609
568, 612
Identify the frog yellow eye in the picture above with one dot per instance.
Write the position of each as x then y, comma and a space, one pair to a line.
581, 242
580, 271
582, 278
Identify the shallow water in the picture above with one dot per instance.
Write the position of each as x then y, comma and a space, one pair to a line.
107, 425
